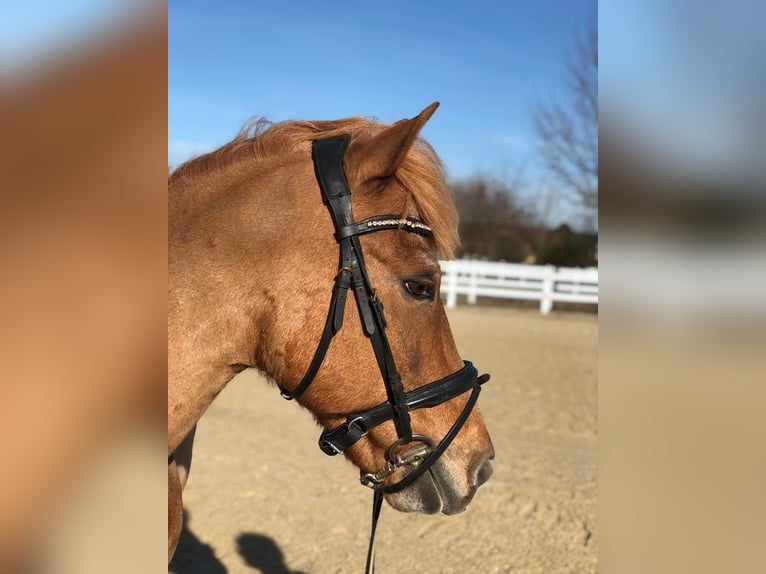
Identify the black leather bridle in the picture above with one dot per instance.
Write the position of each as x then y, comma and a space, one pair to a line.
420, 456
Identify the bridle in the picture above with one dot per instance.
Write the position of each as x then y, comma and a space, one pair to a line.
421, 452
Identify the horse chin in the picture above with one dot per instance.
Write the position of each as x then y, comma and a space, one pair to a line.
437, 491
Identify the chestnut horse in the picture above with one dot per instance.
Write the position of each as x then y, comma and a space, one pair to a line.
252, 257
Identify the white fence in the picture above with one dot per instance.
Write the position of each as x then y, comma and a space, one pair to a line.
543, 283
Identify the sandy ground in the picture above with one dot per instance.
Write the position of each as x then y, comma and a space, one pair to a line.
263, 498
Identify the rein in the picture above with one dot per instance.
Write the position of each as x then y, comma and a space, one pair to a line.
422, 451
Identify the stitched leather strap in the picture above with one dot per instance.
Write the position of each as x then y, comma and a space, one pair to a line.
328, 162
328, 166
357, 425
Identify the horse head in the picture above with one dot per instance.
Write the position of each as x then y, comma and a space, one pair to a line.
387, 170
267, 252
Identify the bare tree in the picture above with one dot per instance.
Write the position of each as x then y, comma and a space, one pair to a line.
568, 132
494, 222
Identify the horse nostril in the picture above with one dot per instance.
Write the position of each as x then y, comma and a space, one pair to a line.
484, 472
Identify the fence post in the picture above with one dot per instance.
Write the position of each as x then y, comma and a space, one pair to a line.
472, 284
546, 298
451, 282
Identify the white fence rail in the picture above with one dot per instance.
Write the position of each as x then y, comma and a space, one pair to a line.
543, 283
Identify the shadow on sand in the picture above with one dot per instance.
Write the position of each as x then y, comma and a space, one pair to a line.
193, 556
259, 552
262, 553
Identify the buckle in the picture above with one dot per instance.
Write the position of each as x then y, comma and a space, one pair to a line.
343, 272
327, 447
354, 427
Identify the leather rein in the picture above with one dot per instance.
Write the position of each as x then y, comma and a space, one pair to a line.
421, 452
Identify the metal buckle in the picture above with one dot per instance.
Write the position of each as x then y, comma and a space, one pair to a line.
326, 438
327, 447
348, 270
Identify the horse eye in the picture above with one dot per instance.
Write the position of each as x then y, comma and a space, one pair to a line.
419, 289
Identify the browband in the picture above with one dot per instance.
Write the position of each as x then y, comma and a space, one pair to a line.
381, 222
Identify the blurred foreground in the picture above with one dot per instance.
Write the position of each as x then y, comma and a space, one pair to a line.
681, 287
82, 301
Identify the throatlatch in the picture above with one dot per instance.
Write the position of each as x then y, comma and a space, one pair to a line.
418, 452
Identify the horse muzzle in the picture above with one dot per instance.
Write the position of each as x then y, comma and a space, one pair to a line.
447, 487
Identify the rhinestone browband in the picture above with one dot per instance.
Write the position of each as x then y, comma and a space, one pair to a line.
406, 222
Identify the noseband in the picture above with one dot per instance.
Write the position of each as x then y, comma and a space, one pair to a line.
415, 451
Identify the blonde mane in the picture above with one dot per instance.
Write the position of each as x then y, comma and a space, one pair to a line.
421, 174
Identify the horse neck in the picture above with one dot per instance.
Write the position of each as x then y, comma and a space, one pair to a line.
224, 240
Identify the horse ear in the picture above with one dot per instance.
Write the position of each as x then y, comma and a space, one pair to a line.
379, 157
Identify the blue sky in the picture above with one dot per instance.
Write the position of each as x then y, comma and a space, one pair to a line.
30, 31
685, 82
488, 63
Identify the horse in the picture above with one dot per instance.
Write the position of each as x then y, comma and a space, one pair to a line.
253, 259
